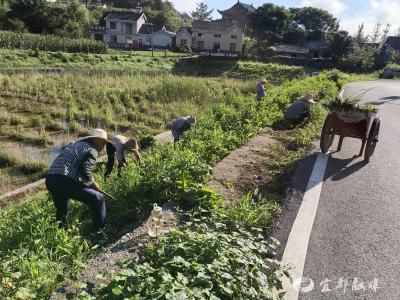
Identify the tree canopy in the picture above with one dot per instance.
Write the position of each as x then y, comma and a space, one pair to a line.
202, 12
274, 23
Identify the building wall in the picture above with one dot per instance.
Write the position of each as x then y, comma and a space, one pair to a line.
161, 39
225, 41
183, 35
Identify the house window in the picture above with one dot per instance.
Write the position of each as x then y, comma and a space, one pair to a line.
233, 47
217, 36
113, 39
183, 42
129, 28
98, 37
200, 44
216, 47
129, 39
200, 34
113, 25
233, 37
148, 41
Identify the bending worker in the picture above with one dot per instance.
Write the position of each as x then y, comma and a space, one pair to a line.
180, 125
119, 146
300, 109
260, 89
70, 177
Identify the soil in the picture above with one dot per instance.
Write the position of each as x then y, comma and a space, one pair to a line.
241, 171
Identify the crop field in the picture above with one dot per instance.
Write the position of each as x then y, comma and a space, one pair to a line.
205, 257
38, 109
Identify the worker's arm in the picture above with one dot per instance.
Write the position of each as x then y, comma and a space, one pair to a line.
88, 164
137, 155
110, 159
307, 109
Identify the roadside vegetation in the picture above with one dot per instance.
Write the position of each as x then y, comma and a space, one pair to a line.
36, 256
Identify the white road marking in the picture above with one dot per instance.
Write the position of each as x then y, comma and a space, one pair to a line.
297, 244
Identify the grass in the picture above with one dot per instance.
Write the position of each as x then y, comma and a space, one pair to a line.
127, 61
36, 256
37, 104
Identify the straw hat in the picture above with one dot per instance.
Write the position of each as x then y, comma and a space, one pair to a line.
263, 80
96, 134
131, 144
310, 98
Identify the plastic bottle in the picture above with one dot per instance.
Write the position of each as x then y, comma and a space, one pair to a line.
155, 223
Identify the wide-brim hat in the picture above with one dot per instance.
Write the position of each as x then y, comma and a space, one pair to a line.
131, 144
96, 134
263, 80
310, 98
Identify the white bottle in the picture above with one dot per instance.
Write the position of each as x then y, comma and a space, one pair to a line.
155, 223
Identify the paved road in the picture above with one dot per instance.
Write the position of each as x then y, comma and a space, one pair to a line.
355, 240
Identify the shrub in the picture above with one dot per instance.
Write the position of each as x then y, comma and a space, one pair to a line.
203, 261
12, 40
7, 160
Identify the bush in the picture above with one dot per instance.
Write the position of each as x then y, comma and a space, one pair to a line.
204, 261
12, 40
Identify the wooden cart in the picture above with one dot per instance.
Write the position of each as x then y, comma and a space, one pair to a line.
355, 124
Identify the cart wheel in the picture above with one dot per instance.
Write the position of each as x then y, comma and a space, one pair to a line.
372, 139
327, 135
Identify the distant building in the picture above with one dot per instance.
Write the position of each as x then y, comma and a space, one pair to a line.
130, 30
391, 44
218, 36
225, 35
288, 50
184, 37
238, 12
311, 49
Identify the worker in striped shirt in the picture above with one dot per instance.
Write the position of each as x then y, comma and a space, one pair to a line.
70, 177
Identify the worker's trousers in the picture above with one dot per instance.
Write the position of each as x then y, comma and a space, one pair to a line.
63, 188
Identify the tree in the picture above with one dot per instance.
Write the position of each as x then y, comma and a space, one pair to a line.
32, 13
339, 44
269, 23
360, 38
316, 23
202, 13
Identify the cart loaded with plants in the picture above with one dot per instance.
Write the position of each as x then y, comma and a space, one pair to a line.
349, 118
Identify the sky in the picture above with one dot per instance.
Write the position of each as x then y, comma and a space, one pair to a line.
350, 13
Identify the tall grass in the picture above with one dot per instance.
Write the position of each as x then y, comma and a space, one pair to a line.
12, 40
128, 103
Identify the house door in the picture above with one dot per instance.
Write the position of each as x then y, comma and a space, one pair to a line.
233, 47
200, 44
216, 47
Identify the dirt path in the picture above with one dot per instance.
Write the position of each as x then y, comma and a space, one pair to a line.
240, 172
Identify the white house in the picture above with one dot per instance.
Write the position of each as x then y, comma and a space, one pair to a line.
224, 36
129, 30
184, 37
163, 38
